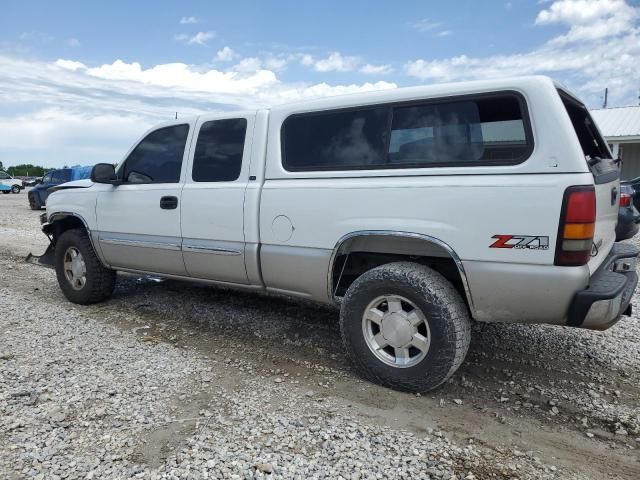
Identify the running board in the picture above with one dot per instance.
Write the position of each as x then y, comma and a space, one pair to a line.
45, 260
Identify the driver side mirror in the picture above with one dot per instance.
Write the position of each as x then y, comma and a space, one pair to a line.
104, 173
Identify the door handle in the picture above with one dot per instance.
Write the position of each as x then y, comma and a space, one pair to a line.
169, 203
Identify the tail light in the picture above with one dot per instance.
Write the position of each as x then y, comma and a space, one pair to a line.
577, 225
625, 200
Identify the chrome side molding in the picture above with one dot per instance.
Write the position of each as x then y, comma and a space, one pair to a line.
214, 250
140, 243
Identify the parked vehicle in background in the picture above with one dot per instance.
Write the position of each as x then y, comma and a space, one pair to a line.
38, 195
628, 214
353, 201
15, 184
31, 181
635, 184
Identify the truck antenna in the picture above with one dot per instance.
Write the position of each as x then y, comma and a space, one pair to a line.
176, 115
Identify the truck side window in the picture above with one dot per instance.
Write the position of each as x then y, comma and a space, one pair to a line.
471, 130
158, 157
336, 140
219, 149
4, 176
61, 176
483, 130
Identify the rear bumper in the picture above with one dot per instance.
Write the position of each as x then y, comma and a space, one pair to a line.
609, 293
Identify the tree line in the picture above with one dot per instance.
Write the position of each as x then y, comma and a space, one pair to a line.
27, 170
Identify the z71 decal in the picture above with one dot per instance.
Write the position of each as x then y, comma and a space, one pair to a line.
531, 242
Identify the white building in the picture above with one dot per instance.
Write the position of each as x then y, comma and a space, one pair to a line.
621, 128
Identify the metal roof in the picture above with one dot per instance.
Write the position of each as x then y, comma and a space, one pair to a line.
618, 122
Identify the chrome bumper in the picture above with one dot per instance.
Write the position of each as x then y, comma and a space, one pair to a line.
610, 290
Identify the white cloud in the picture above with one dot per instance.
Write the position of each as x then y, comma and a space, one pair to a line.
589, 19
226, 54
428, 26
53, 137
306, 60
276, 64
335, 62
183, 77
582, 12
188, 20
75, 113
200, 38
369, 69
289, 93
246, 84
253, 64
588, 66
425, 25
248, 65
70, 64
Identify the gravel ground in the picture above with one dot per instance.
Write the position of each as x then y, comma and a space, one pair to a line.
174, 380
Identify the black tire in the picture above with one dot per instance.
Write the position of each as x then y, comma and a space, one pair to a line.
15, 189
34, 201
100, 281
443, 310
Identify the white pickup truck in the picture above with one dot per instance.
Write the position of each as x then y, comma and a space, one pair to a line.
416, 210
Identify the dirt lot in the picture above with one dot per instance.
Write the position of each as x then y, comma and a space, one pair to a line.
173, 380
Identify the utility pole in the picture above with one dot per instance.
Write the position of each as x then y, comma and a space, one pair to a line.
176, 115
606, 97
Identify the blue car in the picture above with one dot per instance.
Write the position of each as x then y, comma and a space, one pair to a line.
38, 194
5, 188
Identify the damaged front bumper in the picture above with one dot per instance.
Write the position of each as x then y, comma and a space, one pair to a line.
47, 258
608, 296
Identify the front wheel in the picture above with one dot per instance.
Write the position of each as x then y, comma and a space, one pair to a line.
34, 202
15, 189
405, 326
81, 276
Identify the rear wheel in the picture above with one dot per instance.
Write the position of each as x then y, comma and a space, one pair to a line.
405, 326
81, 276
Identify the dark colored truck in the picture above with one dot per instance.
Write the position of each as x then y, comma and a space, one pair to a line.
38, 194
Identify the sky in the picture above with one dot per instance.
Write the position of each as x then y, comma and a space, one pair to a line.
81, 81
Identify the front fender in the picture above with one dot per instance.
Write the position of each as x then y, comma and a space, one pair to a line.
77, 202
57, 223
